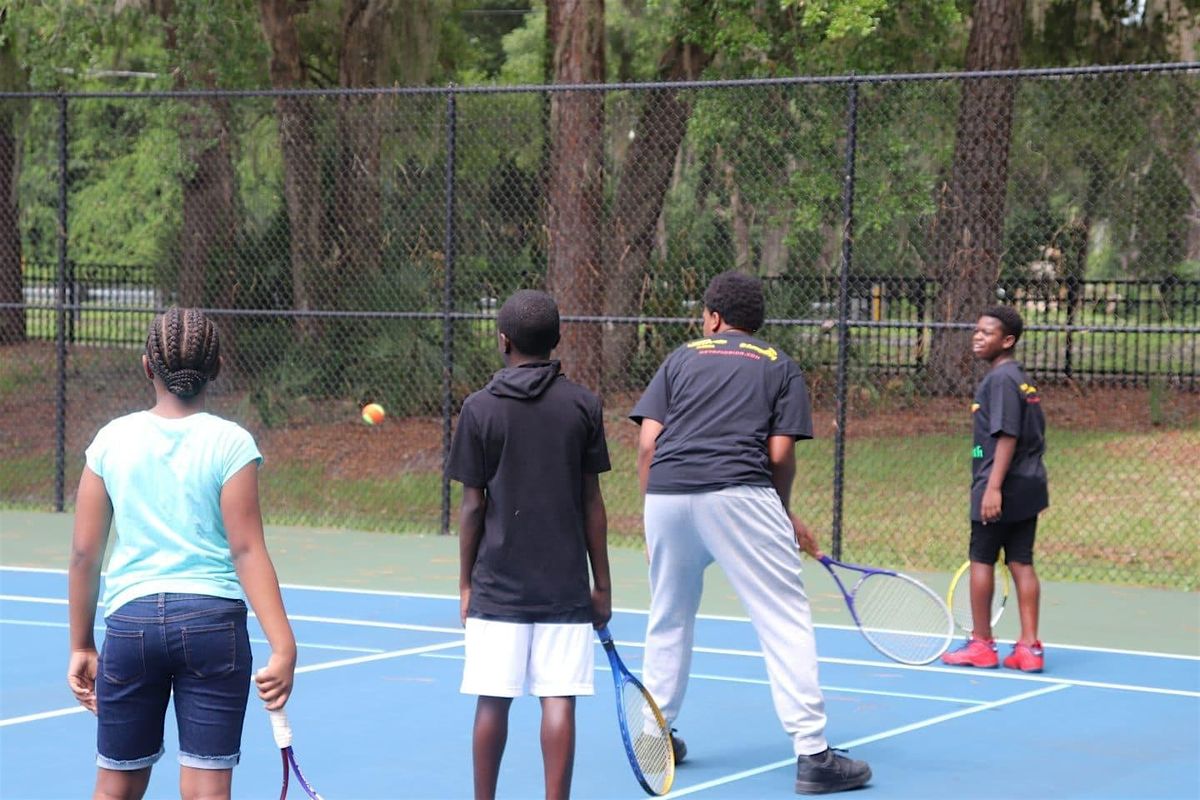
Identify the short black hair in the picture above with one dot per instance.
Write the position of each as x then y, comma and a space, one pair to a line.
738, 298
530, 321
1010, 320
184, 350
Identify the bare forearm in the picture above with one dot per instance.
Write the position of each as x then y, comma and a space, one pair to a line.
83, 592
1006, 447
781, 455
470, 532
261, 585
93, 518
597, 545
782, 476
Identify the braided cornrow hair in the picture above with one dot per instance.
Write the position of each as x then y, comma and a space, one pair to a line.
184, 350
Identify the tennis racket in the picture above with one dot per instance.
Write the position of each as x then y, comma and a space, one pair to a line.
283, 738
645, 733
959, 596
901, 617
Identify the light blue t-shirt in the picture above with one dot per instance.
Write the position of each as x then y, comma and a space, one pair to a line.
164, 477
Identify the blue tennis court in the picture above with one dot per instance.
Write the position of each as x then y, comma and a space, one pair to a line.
377, 713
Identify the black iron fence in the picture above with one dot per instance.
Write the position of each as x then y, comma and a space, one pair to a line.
1128, 332
354, 246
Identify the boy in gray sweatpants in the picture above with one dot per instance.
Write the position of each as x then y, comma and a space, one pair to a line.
716, 459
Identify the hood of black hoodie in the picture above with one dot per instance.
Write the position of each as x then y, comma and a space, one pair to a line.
525, 382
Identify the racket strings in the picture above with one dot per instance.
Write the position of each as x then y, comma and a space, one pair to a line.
903, 619
649, 738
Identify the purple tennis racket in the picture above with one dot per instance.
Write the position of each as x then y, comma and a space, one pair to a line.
283, 738
900, 616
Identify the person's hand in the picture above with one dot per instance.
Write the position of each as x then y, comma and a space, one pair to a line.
81, 677
464, 602
804, 537
989, 509
601, 607
275, 681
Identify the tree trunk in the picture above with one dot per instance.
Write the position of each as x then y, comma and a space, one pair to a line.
968, 229
210, 219
641, 192
362, 61
12, 320
301, 158
575, 186
207, 261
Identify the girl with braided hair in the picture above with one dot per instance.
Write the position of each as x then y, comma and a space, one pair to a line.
180, 486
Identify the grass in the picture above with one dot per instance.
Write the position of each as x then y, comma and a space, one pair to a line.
1122, 465
904, 503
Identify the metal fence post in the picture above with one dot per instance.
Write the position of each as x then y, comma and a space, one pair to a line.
447, 311
839, 434
60, 395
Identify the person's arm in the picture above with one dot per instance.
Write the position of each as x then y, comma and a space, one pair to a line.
992, 504
243, 524
470, 532
93, 517
781, 455
647, 439
595, 520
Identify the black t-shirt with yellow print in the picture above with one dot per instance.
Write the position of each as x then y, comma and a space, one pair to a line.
1007, 403
719, 399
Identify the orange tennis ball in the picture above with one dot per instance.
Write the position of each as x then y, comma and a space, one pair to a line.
372, 413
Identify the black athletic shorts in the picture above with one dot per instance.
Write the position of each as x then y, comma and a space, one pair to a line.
1015, 537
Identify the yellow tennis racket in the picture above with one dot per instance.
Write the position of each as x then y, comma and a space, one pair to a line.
959, 596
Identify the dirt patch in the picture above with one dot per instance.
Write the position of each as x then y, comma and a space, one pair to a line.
103, 384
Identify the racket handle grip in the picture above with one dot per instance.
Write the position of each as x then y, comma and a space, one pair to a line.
280, 728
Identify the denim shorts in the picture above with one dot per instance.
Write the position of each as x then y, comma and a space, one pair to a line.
192, 646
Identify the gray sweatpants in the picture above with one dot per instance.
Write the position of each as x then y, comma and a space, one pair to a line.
745, 530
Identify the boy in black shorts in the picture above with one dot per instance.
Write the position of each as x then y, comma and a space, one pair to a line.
528, 449
1008, 490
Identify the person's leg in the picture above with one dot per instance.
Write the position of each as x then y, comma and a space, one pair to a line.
1018, 553
133, 687
558, 745
983, 587
748, 533
210, 650
487, 743
1029, 593
980, 649
561, 668
205, 784
677, 564
112, 784
495, 669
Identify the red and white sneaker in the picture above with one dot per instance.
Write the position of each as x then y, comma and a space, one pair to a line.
975, 653
1026, 657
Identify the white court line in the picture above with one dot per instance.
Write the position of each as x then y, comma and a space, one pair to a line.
868, 739
764, 682
985, 674
343, 662
59, 712
344, 647
640, 611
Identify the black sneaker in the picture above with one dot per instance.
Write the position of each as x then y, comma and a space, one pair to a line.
678, 747
829, 771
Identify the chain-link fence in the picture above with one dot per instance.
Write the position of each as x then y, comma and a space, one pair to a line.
354, 246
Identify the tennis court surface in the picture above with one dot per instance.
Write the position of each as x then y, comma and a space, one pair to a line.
377, 713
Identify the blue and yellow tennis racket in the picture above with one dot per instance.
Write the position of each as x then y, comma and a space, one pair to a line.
959, 596
645, 733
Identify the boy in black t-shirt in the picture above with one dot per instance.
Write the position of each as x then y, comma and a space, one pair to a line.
528, 449
716, 461
1008, 490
